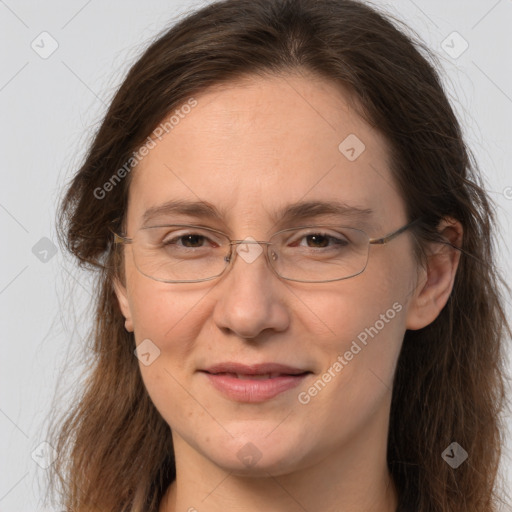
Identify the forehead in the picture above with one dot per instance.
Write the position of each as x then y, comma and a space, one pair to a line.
255, 145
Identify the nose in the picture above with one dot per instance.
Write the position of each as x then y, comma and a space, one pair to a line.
251, 297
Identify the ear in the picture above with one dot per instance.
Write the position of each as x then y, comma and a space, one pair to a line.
435, 283
124, 304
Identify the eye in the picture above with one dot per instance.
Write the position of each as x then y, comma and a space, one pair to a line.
320, 240
191, 240
190, 237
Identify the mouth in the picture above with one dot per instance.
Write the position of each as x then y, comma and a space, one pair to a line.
257, 376
260, 369
254, 384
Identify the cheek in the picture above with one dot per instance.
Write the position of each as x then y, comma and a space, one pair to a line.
360, 358
171, 317
349, 310
171, 320
165, 312
366, 319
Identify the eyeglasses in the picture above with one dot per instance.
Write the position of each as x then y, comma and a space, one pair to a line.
183, 253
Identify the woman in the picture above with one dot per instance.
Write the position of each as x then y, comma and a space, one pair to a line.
298, 304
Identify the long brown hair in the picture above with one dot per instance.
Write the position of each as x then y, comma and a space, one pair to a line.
115, 450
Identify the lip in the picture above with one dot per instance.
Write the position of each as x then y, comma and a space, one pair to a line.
252, 390
283, 378
254, 369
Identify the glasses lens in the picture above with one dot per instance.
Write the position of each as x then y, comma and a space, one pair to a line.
180, 253
319, 253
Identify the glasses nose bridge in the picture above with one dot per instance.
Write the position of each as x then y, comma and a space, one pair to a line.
232, 243
238, 242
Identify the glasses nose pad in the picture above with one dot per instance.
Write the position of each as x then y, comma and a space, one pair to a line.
228, 258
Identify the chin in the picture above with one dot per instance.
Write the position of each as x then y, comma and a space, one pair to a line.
258, 453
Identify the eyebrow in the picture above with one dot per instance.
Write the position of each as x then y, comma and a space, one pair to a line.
298, 211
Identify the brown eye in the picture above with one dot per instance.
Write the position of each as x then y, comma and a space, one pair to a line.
191, 240
319, 240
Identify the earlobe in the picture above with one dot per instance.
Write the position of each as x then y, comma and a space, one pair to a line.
122, 298
436, 282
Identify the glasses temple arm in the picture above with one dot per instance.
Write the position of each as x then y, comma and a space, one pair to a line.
389, 237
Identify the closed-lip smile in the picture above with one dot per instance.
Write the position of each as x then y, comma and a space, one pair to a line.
254, 382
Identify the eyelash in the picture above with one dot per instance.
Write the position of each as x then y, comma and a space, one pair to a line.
172, 241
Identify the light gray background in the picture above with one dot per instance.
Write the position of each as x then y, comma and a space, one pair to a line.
49, 109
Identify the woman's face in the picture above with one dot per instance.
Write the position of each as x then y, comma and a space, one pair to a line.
250, 151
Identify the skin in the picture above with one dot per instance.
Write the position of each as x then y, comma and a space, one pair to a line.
248, 148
